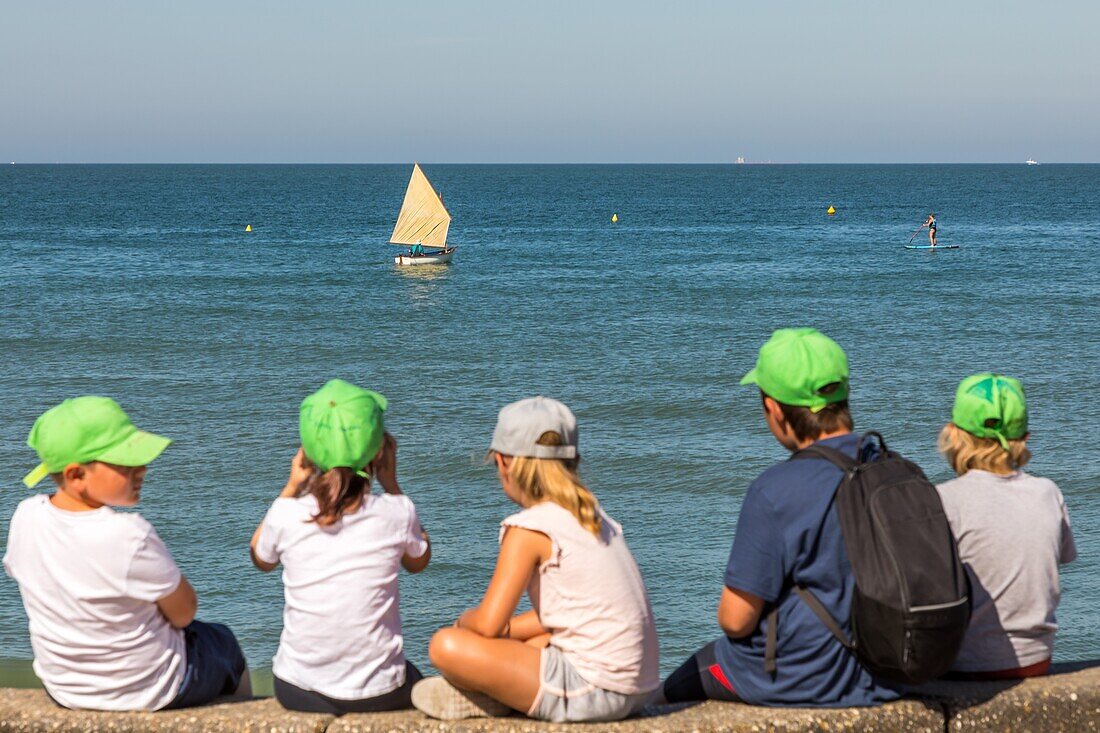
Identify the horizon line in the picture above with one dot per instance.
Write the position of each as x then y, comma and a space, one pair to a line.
487, 163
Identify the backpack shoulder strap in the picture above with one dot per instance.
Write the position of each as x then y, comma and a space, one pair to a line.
845, 463
822, 613
771, 637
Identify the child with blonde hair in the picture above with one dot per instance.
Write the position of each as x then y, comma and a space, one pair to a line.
587, 651
341, 547
1012, 531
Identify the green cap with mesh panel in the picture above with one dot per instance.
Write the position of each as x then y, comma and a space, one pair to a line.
796, 363
991, 405
341, 426
86, 429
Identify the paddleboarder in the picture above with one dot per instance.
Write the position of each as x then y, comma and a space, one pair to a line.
931, 224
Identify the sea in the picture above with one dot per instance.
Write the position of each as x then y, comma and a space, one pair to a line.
140, 282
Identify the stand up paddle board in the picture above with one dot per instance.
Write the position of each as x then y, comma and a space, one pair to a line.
928, 246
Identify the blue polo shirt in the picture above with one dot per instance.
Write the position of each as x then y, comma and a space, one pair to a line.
775, 542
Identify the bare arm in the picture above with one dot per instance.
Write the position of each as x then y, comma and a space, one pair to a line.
739, 612
525, 626
301, 470
180, 605
384, 470
416, 564
267, 567
521, 552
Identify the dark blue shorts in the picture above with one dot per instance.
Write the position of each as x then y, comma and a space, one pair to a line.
215, 665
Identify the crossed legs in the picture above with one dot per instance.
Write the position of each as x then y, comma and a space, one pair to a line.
504, 669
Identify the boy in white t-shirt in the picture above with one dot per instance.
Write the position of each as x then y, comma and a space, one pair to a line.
342, 548
111, 617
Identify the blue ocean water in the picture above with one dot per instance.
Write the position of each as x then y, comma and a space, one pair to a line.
139, 282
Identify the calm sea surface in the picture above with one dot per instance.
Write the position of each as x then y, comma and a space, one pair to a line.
139, 282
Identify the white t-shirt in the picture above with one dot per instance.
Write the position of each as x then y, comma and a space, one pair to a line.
341, 623
1012, 531
90, 582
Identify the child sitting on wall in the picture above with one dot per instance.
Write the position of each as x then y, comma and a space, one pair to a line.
587, 651
342, 547
788, 529
111, 617
1012, 531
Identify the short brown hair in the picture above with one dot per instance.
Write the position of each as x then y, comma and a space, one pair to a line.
809, 425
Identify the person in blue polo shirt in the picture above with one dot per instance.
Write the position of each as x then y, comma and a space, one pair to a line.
788, 531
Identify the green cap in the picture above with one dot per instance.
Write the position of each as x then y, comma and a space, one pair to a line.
991, 406
796, 363
86, 429
341, 425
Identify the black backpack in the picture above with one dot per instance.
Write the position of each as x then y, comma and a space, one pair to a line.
912, 598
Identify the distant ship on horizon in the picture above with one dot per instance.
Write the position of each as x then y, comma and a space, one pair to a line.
1031, 161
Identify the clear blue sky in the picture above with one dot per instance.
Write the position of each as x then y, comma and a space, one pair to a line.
551, 81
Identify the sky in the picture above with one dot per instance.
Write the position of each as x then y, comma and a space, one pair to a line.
559, 81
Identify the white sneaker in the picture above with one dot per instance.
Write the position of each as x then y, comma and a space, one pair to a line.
438, 698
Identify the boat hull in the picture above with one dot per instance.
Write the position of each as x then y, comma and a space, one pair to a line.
440, 258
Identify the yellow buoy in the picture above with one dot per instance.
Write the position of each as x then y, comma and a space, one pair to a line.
248, 228
614, 218
830, 211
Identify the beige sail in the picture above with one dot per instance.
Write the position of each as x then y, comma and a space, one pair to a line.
423, 218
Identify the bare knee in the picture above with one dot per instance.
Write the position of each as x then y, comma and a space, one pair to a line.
445, 648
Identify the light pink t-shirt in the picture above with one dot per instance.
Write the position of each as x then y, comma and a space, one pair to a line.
592, 599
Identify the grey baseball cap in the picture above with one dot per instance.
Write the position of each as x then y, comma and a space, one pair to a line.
521, 424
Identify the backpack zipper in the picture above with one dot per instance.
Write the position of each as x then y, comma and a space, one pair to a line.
939, 606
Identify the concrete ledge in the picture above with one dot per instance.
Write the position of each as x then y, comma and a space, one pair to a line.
31, 711
1067, 700
712, 717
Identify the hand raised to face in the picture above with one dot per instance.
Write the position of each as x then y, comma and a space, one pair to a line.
384, 465
301, 470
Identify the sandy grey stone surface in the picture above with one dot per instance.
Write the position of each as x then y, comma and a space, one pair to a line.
30, 711
1068, 701
710, 717
1059, 702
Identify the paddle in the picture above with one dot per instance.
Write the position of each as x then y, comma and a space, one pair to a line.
915, 233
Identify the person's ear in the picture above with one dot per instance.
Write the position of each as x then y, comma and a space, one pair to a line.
772, 408
72, 473
502, 463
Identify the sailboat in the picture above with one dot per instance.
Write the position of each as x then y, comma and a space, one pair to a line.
422, 224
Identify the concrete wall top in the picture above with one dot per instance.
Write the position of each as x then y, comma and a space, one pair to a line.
1067, 701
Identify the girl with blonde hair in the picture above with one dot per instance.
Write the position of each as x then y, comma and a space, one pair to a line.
1012, 531
587, 651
